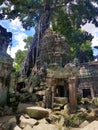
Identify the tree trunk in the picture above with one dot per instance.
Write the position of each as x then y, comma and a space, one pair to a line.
43, 25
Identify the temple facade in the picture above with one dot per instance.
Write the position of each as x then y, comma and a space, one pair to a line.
88, 80
53, 79
49, 73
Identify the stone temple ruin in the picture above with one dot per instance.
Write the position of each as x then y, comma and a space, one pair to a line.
53, 80
5, 63
60, 79
50, 81
88, 80
53, 48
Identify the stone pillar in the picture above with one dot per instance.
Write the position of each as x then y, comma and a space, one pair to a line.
92, 92
72, 94
48, 94
48, 98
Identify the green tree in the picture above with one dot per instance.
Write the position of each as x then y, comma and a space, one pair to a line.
28, 41
21, 55
85, 54
77, 38
38, 14
30, 11
19, 58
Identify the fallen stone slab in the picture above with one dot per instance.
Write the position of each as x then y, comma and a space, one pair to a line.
22, 107
37, 112
24, 122
83, 124
92, 126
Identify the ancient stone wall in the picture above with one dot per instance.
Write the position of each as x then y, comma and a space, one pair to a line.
5, 64
53, 48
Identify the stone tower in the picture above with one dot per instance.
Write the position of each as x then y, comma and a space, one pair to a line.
53, 48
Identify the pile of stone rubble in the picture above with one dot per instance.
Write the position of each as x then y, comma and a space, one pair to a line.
30, 117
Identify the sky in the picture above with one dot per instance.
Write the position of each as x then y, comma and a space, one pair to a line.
94, 31
19, 34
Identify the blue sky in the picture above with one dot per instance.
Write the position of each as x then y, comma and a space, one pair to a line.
19, 33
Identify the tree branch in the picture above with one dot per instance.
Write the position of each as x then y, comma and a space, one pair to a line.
53, 5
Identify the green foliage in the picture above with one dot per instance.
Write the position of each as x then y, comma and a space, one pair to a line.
28, 42
79, 40
95, 101
61, 22
80, 13
75, 120
85, 53
29, 11
67, 18
19, 57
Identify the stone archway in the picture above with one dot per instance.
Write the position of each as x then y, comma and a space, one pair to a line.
61, 89
57, 89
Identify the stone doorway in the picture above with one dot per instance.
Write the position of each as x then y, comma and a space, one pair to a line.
61, 91
86, 93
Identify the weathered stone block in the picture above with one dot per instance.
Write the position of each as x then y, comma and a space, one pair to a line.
37, 112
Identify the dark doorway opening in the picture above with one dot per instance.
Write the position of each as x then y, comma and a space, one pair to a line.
86, 93
60, 92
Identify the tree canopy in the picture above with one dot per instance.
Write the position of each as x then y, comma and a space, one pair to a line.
65, 16
30, 11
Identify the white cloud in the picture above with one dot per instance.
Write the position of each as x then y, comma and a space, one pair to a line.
19, 34
90, 28
18, 37
93, 30
95, 41
16, 25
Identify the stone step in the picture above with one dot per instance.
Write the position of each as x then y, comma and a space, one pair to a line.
61, 100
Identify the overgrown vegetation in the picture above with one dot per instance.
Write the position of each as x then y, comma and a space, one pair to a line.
21, 54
